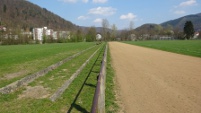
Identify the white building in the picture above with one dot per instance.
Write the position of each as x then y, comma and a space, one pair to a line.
55, 35
48, 32
196, 35
38, 34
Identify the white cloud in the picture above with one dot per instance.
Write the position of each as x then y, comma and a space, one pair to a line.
82, 17
98, 20
129, 16
181, 8
99, 1
188, 3
85, 1
73, 1
106, 11
179, 12
70, 1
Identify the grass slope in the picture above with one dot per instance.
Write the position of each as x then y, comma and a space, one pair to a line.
18, 61
186, 47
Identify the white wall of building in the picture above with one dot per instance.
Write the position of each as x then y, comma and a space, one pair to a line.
38, 34
55, 35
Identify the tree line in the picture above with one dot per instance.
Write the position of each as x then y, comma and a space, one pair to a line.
108, 32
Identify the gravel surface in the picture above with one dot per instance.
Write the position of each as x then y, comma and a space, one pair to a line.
154, 81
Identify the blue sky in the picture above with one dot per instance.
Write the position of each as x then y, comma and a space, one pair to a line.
120, 12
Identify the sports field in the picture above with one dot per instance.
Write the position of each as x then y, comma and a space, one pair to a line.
22, 60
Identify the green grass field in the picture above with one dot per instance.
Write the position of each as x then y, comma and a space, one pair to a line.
77, 98
186, 47
18, 61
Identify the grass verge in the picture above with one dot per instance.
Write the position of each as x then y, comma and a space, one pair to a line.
110, 99
186, 47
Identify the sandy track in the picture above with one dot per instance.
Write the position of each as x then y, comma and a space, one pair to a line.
154, 81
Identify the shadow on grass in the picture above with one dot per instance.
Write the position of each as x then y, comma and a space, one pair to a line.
91, 85
74, 105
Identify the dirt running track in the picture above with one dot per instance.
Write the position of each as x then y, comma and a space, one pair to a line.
154, 81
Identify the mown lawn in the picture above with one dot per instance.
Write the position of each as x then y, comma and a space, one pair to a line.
17, 61
77, 98
79, 95
186, 47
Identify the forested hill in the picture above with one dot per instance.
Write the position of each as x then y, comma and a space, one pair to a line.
176, 24
21, 14
179, 23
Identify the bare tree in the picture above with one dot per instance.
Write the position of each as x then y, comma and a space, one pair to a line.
124, 35
130, 30
131, 25
105, 25
114, 31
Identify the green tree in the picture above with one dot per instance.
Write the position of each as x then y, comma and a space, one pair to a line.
79, 35
4, 8
1, 37
91, 35
189, 30
158, 29
44, 39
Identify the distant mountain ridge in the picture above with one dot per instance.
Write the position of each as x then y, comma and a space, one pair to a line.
179, 23
23, 14
175, 24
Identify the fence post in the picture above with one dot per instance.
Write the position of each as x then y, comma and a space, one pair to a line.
98, 105
101, 99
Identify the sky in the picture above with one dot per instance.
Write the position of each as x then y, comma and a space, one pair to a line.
120, 12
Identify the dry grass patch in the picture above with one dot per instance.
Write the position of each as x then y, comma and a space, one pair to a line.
14, 75
36, 92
